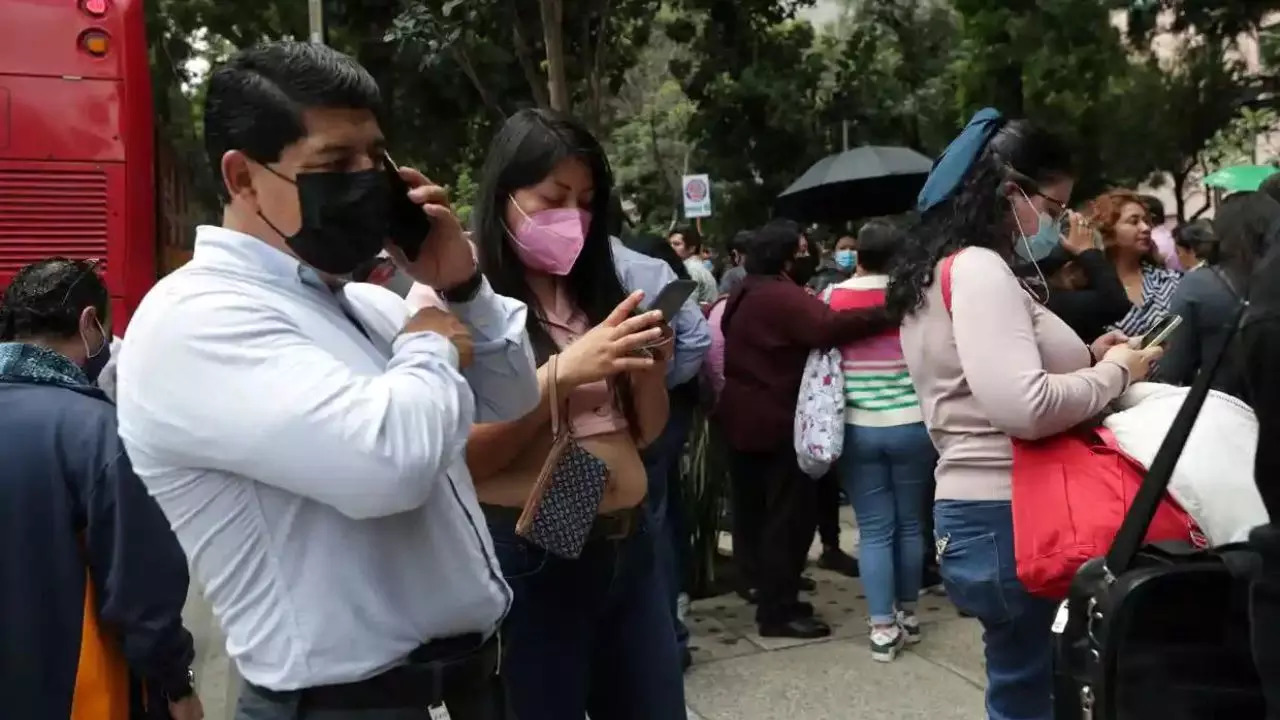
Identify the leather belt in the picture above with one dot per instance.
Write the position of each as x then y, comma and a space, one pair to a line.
439, 668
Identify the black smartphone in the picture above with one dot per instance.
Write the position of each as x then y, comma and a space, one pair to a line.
1161, 332
672, 297
408, 225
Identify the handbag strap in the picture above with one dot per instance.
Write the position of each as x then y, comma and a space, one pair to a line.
554, 383
1133, 529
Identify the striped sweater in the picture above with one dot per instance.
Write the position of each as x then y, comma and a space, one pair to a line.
878, 389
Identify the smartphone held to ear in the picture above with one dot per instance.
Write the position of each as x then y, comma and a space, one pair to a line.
1159, 334
672, 297
408, 226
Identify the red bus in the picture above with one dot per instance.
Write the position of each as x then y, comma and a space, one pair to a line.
77, 141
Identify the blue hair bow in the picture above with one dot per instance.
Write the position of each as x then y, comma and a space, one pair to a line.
954, 162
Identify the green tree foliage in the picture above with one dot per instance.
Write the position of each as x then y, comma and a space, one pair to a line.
750, 92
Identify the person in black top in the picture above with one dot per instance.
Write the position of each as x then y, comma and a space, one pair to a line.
1207, 297
1084, 289
1258, 346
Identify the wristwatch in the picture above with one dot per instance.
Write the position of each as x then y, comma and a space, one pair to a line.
465, 291
183, 692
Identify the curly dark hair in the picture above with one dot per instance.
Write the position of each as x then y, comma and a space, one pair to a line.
45, 299
976, 214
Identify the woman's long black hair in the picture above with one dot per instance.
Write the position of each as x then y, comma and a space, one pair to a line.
523, 153
976, 213
1246, 226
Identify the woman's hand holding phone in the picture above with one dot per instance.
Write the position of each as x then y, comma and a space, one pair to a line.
1137, 362
1079, 235
447, 258
607, 349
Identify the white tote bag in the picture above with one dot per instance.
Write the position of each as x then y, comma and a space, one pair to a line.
819, 425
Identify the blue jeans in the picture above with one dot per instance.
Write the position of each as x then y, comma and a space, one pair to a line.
662, 465
886, 472
977, 565
591, 636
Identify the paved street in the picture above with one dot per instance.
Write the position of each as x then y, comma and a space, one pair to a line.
738, 675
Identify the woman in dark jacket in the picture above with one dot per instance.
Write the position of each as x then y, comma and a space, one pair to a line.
770, 324
1207, 298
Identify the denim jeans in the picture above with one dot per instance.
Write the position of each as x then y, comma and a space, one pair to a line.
591, 636
886, 472
977, 566
662, 464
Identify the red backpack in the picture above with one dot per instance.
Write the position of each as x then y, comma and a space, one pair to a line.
1070, 493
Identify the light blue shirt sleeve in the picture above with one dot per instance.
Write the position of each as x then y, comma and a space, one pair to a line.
502, 374
693, 338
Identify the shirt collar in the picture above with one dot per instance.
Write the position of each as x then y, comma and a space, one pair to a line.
245, 252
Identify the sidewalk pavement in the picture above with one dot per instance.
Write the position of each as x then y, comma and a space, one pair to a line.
738, 675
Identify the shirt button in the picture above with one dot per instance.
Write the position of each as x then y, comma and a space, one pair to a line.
602, 411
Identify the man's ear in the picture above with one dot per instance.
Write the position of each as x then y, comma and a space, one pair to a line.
89, 320
237, 175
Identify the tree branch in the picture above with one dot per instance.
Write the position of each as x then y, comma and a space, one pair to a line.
524, 54
597, 67
464, 62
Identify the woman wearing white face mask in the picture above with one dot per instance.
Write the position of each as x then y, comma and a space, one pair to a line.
991, 364
589, 630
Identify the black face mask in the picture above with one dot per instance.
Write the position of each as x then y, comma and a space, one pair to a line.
802, 269
344, 218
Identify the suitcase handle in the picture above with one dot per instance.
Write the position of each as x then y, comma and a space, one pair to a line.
1133, 529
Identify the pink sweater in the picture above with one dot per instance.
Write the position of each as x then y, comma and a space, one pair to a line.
1000, 365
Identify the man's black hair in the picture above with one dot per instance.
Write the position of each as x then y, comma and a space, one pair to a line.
45, 299
690, 236
740, 241
1155, 208
256, 98
878, 241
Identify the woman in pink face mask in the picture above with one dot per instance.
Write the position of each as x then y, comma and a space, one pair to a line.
591, 635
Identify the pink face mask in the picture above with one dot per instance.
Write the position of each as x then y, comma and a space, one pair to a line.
550, 241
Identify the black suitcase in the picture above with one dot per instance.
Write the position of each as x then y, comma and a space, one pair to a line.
1159, 632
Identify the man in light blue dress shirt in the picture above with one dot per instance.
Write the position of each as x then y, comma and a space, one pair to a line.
692, 340
305, 436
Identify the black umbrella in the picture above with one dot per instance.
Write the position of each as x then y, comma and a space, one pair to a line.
862, 182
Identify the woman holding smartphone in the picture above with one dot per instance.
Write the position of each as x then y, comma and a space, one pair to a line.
990, 363
591, 635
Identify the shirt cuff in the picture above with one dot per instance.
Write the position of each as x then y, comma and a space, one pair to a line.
428, 343
485, 314
1115, 375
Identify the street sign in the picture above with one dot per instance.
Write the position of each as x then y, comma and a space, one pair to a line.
697, 196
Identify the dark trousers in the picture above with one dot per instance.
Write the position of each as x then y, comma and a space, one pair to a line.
773, 523
478, 703
828, 509
671, 536
591, 636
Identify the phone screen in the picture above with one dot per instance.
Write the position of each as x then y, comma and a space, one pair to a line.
1161, 332
408, 225
672, 297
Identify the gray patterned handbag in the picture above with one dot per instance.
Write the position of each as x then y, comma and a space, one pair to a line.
565, 499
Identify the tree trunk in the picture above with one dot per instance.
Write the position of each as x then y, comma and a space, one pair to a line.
1180, 182
553, 38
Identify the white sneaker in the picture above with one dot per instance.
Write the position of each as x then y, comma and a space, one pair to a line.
910, 625
886, 642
